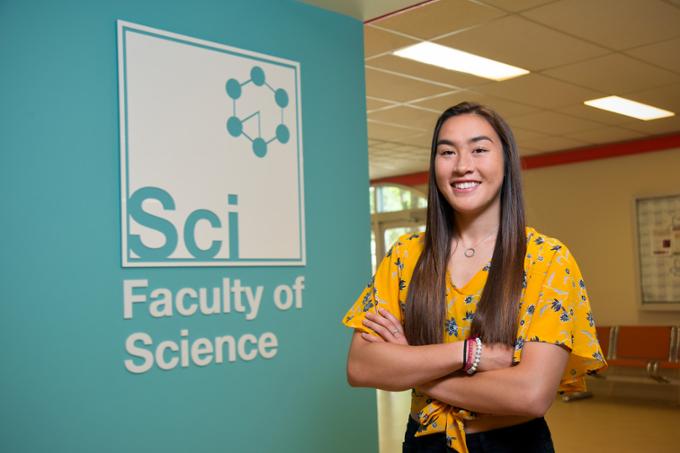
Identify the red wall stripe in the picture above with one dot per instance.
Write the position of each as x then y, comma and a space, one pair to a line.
606, 151
640, 146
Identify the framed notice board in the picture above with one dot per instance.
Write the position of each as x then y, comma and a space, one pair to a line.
658, 243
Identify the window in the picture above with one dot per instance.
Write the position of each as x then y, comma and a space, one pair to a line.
395, 210
390, 198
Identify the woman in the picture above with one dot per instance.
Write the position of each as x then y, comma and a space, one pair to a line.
482, 317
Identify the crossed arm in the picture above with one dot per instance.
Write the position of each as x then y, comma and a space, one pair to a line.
388, 362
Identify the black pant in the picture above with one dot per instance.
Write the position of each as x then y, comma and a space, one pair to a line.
530, 437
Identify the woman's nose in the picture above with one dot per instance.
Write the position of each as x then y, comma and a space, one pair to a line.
463, 163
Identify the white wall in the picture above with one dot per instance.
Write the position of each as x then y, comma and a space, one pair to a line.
589, 206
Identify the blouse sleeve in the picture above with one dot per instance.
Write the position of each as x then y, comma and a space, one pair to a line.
560, 314
382, 291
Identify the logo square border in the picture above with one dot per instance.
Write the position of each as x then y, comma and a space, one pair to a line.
127, 261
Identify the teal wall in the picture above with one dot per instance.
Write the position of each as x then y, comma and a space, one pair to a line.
63, 383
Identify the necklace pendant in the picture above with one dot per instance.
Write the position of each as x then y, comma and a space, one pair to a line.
469, 252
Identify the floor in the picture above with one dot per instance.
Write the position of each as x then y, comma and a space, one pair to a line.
602, 424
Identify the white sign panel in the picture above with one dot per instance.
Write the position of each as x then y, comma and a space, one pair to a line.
211, 153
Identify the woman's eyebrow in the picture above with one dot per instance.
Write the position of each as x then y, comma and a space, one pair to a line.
479, 138
445, 142
472, 140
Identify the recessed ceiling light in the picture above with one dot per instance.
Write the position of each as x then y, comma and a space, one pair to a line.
630, 108
457, 60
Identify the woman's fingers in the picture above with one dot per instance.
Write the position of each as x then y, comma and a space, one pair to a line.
394, 324
374, 323
371, 338
380, 318
390, 323
386, 325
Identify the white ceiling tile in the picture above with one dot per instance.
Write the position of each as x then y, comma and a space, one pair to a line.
551, 123
372, 104
546, 144
616, 24
379, 156
437, 18
655, 127
387, 132
378, 41
614, 73
408, 116
504, 107
517, 41
664, 54
540, 91
422, 139
586, 112
666, 97
382, 145
393, 87
516, 5
409, 149
524, 135
611, 134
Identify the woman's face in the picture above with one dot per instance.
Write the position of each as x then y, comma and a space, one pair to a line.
469, 165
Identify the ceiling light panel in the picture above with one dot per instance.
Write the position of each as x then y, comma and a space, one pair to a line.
624, 106
457, 60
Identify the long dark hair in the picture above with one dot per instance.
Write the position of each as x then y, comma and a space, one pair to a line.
495, 320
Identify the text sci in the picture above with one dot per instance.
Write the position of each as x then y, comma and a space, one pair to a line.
169, 231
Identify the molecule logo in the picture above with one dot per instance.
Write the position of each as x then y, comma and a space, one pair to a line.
211, 153
235, 90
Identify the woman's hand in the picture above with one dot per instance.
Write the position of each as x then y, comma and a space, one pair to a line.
386, 325
495, 356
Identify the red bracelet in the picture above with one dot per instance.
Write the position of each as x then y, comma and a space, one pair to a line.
469, 359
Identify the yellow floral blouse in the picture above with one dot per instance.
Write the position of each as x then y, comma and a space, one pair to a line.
554, 309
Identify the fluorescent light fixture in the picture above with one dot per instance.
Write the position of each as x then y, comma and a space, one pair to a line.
624, 106
457, 60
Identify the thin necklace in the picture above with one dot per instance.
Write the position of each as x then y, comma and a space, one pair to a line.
470, 251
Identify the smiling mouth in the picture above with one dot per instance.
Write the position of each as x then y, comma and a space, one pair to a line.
466, 185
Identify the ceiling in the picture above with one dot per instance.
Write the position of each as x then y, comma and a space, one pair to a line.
575, 49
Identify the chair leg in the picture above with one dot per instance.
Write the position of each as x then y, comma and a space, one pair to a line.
654, 373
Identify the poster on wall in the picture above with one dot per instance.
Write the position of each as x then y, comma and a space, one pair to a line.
211, 175
658, 239
211, 153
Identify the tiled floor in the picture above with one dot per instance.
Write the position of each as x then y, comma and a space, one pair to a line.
599, 425
607, 425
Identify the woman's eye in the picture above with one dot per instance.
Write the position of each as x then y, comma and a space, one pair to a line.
480, 150
446, 152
